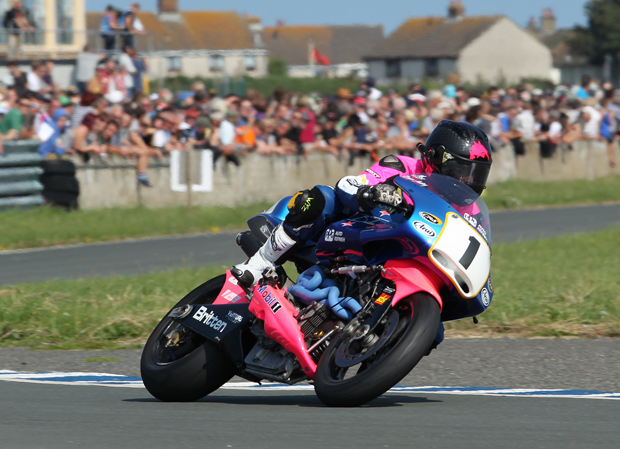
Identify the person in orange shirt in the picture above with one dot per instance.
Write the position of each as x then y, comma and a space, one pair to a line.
246, 136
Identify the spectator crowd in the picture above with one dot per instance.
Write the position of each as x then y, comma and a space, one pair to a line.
110, 114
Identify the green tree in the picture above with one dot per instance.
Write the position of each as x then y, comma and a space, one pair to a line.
602, 35
276, 67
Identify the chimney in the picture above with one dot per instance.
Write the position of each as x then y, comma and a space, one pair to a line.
456, 10
168, 10
547, 21
164, 6
532, 25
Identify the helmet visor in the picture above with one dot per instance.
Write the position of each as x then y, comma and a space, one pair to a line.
471, 173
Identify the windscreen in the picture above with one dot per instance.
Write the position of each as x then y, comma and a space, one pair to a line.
463, 199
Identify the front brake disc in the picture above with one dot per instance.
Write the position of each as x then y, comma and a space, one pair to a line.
352, 352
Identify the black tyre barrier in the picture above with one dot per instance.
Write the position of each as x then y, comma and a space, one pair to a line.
61, 183
58, 167
64, 199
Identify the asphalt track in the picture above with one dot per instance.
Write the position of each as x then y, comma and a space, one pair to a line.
157, 254
50, 416
60, 416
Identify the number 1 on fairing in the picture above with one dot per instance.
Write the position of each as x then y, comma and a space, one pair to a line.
470, 252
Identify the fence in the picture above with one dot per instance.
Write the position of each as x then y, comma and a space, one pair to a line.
62, 42
19, 175
270, 178
68, 42
259, 178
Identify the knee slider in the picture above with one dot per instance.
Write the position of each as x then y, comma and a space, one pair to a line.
305, 207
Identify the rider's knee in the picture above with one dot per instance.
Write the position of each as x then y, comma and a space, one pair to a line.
305, 207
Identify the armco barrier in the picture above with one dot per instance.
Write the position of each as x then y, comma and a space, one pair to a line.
113, 182
19, 174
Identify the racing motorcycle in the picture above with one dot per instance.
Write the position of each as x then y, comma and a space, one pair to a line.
401, 271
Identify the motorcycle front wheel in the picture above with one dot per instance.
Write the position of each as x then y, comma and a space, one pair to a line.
354, 372
185, 366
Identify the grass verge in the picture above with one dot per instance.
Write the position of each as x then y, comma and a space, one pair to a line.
562, 287
518, 194
48, 227
100, 313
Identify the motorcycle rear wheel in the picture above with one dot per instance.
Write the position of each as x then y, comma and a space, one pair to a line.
189, 370
405, 339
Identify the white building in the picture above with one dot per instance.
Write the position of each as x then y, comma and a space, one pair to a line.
478, 49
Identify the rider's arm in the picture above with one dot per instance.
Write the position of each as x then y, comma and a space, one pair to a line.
346, 191
386, 168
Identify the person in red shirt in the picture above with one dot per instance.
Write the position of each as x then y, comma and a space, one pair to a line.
306, 137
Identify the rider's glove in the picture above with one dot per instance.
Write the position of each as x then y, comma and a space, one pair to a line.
369, 197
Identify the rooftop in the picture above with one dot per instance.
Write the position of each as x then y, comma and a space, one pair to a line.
341, 44
432, 37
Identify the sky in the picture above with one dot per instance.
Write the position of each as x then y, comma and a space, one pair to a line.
389, 13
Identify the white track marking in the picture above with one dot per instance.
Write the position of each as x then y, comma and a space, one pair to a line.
113, 380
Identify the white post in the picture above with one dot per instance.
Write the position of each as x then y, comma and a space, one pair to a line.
311, 58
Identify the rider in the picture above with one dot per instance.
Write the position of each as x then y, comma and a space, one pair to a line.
456, 149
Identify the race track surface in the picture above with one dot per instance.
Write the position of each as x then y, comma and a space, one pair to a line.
158, 254
50, 416
60, 416
480, 362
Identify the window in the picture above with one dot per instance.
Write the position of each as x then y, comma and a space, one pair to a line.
392, 68
64, 19
432, 67
250, 62
216, 63
36, 15
173, 63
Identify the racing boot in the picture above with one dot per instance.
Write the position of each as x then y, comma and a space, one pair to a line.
249, 272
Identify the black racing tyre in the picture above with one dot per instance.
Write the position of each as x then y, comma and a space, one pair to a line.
61, 183
404, 339
65, 199
191, 369
58, 167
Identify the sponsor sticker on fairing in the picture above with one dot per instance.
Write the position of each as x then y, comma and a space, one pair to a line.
472, 221
208, 318
423, 228
417, 179
269, 299
233, 280
231, 296
234, 317
486, 299
329, 235
430, 218
490, 285
381, 299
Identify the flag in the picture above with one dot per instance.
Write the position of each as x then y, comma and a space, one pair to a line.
319, 57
